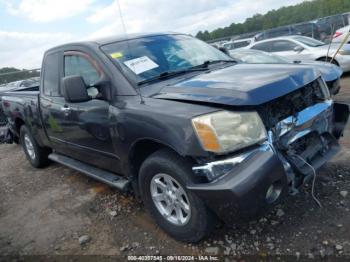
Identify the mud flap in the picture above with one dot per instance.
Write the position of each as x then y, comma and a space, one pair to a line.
5, 135
340, 118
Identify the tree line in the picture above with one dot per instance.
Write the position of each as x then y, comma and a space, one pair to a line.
306, 11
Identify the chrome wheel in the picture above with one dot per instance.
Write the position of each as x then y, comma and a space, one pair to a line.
29, 147
170, 199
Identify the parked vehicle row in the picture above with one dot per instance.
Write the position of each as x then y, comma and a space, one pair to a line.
321, 29
196, 135
330, 72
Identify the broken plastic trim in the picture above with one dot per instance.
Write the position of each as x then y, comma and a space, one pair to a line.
216, 169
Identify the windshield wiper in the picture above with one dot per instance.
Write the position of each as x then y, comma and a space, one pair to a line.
210, 62
168, 74
201, 67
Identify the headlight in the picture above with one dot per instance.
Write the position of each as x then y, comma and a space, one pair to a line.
225, 131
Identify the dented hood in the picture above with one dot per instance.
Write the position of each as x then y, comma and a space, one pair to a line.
239, 85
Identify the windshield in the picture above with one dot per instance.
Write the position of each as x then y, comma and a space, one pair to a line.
256, 57
148, 57
309, 41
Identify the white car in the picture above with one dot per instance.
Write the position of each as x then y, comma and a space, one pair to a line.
340, 34
239, 43
304, 49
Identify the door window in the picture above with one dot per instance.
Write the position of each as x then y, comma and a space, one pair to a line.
266, 46
282, 46
79, 65
241, 44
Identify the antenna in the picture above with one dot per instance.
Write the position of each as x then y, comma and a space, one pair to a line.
127, 42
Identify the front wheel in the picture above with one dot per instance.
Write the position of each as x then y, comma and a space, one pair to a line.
36, 155
163, 178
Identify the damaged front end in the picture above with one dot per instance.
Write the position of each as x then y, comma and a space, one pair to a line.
308, 136
303, 131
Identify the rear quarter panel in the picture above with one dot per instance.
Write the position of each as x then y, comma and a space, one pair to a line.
22, 107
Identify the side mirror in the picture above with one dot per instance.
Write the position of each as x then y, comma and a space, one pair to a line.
224, 50
298, 49
74, 89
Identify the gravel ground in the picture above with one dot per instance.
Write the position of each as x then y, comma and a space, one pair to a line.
57, 211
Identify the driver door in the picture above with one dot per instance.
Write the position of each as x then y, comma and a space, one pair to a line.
286, 49
88, 131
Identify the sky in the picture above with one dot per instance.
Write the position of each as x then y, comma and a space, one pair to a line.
29, 27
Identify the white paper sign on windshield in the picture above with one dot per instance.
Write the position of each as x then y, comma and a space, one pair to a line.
141, 64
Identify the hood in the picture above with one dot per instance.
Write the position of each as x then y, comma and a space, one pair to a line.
328, 71
240, 85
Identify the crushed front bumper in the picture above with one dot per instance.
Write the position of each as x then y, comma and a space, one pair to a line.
242, 192
260, 177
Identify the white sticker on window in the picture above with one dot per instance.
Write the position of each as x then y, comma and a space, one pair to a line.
141, 64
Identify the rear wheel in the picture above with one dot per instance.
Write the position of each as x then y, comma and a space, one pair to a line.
163, 178
36, 155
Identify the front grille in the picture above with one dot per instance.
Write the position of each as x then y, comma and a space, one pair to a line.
278, 109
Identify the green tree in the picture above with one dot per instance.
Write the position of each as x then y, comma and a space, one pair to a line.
306, 11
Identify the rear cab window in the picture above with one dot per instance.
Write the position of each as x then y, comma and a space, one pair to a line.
51, 74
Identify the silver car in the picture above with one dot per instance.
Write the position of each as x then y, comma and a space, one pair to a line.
305, 49
330, 73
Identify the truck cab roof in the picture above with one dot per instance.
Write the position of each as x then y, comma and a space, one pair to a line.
112, 39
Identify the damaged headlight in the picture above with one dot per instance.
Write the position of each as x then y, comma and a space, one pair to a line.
225, 131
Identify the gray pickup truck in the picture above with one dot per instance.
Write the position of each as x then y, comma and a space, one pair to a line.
195, 135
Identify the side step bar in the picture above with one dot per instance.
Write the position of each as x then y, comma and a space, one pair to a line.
96, 173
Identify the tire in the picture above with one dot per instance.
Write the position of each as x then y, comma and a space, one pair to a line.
165, 164
36, 155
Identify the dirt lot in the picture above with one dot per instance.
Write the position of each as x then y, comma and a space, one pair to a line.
45, 212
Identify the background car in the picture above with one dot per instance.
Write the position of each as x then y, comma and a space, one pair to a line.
306, 49
328, 25
239, 43
330, 73
340, 34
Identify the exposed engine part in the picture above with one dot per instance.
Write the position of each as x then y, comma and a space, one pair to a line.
290, 104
